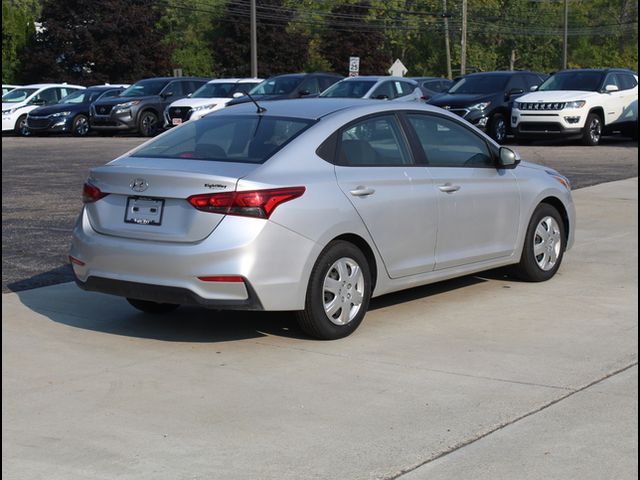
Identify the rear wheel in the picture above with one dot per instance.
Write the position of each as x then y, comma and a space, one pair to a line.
152, 307
148, 124
80, 126
592, 131
544, 245
338, 293
498, 128
21, 127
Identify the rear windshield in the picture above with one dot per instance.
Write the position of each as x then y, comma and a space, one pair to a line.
276, 86
480, 84
583, 81
225, 138
144, 88
349, 89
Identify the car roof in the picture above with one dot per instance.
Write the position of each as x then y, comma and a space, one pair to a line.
377, 78
173, 78
601, 70
46, 85
236, 80
316, 108
429, 78
506, 73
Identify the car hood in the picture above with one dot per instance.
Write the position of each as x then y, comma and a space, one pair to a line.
461, 100
7, 106
60, 107
116, 100
197, 102
556, 96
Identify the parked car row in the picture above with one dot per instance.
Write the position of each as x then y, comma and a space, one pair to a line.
527, 105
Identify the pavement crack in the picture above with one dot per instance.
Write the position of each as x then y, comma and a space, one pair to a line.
501, 426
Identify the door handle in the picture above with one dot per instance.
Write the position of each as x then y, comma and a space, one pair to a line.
361, 191
448, 188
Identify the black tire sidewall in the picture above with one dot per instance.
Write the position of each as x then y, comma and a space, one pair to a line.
322, 327
493, 127
528, 268
141, 127
18, 130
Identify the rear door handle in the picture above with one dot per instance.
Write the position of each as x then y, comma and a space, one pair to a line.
448, 188
361, 191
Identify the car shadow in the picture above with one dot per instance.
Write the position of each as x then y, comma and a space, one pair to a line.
68, 305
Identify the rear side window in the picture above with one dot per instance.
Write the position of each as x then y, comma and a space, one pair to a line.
326, 82
384, 91
448, 144
376, 141
243, 139
405, 88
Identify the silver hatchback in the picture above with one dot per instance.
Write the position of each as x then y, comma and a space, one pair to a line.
314, 206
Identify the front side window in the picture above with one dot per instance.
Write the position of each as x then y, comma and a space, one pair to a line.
243, 139
376, 141
47, 97
384, 91
349, 89
626, 81
18, 95
447, 144
311, 86
517, 82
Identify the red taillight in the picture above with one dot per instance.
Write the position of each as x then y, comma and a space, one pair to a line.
91, 193
255, 203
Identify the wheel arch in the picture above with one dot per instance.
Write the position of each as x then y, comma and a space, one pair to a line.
599, 111
556, 203
367, 251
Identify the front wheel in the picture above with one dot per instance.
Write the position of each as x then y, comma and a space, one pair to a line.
80, 127
544, 245
338, 293
498, 128
152, 307
592, 131
21, 127
148, 124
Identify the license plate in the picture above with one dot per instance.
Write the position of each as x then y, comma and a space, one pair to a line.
144, 211
176, 121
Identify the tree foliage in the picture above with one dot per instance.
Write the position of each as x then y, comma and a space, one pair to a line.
93, 41
18, 26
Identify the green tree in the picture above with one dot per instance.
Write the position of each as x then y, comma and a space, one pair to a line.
18, 25
93, 41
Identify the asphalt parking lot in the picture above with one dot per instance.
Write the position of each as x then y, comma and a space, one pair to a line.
481, 377
42, 179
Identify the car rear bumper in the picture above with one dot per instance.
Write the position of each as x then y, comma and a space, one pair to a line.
274, 262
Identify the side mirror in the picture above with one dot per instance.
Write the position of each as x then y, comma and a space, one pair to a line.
167, 94
515, 91
507, 158
381, 97
189, 96
534, 88
238, 95
304, 93
611, 88
38, 101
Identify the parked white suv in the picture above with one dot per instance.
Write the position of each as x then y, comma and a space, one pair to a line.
212, 96
579, 103
19, 102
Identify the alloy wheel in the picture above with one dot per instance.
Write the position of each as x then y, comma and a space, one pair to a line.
343, 291
547, 243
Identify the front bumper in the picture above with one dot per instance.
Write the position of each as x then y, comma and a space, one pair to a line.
478, 118
559, 124
50, 125
274, 261
121, 121
8, 122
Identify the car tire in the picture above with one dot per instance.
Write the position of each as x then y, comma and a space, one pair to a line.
634, 132
80, 126
148, 124
340, 278
152, 307
498, 128
21, 127
544, 245
592, 131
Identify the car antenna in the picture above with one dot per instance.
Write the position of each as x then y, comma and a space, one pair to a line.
259, 109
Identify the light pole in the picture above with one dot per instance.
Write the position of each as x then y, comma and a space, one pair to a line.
254, 41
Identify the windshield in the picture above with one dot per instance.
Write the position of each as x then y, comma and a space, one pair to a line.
225, 138
349, 89
276, 86
480, 84
81, 96
215, 90
583, 81
144, 88
18, 95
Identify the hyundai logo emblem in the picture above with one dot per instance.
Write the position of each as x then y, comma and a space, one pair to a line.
139, 185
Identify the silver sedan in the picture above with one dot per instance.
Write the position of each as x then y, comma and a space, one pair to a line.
315, 206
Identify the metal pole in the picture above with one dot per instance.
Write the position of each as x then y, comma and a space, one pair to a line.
463, 43
446, 39
566, 34
254, 41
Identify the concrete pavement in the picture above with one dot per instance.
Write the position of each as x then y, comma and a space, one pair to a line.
481, 377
